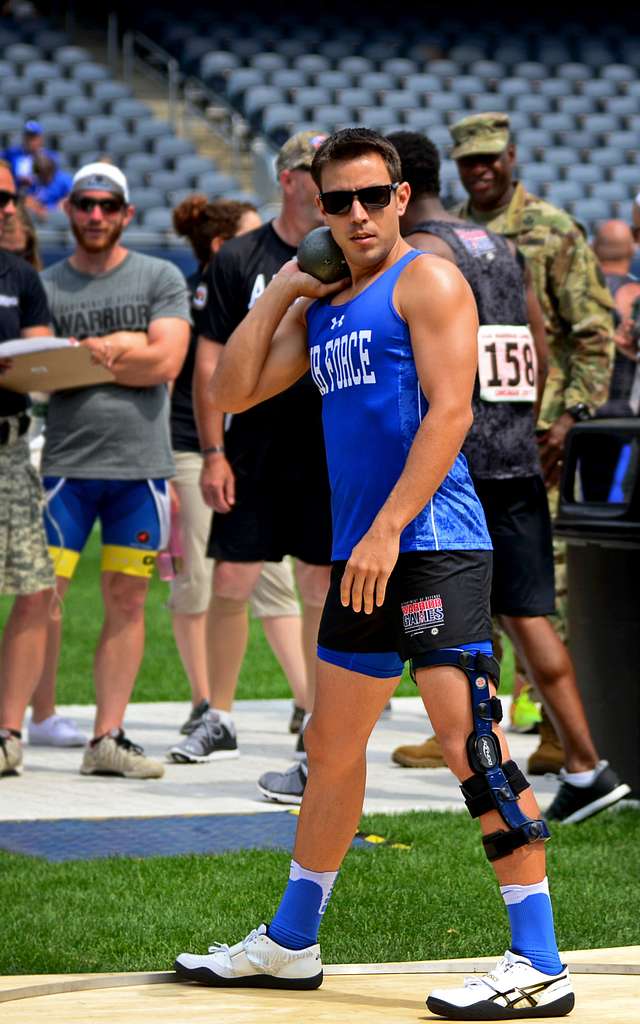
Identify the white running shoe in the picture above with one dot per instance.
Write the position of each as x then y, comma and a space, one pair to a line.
256, 962
55, 731
513, 990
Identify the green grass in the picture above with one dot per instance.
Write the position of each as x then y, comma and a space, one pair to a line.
437, 900
161, 676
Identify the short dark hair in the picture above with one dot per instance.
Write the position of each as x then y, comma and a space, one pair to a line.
420, 162
350, 143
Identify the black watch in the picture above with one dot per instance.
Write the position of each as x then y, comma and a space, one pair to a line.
579, 412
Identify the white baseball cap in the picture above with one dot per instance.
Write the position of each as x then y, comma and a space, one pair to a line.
100, 176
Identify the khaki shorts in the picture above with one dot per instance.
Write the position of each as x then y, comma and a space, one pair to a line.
274, 594
25, 566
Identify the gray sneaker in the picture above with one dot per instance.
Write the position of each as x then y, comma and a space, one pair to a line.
114, 754
10, 753
194, 719
209, 741
285, 787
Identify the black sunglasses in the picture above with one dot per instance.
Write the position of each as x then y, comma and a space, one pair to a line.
6, 198
374, 197
87, 205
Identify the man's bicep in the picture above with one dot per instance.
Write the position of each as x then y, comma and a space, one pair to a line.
168, 330
288, 357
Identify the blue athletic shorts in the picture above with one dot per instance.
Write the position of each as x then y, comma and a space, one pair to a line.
134, 520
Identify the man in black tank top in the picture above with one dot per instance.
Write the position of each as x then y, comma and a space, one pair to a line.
502, 454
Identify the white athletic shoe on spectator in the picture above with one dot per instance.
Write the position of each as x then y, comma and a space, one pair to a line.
10, 753
55, 731
513, 989
114, 754
256, 962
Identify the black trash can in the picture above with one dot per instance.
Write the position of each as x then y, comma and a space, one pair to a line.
599, 517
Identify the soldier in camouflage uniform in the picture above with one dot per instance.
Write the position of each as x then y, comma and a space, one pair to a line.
577, 305
25, 568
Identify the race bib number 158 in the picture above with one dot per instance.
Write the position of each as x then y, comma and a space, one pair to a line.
507, 364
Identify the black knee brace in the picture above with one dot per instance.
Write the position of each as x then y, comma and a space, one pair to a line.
493, 786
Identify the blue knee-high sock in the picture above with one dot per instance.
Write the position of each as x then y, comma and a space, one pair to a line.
531, 920
305, 899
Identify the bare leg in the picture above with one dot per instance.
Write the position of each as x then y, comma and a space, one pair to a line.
22, 655
313, 583
347, 706
120, 647
284, 633
190, 632
44, 698
445, 693
228, 628
550, 666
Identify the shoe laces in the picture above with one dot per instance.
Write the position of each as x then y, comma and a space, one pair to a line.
127, 744
495, 975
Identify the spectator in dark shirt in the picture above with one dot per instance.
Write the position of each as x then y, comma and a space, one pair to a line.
25, 567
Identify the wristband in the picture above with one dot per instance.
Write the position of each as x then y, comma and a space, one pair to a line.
214, 449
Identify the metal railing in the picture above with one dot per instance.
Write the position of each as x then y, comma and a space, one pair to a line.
140, 55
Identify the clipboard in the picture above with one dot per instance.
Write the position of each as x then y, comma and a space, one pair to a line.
50, 364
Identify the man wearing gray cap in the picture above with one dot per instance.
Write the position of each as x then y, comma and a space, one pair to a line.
107, 453
266, 476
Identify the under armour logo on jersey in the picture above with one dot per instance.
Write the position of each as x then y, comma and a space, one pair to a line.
337, 321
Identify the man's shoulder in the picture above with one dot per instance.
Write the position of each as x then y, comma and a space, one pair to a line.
237, 250
16, 267
150, 264
539, 214
55, 271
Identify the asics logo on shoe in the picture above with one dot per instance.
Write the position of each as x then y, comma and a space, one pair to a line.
518, 995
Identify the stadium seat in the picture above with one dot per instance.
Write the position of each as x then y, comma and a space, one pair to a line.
628, 175
533, 138
192, 166
61, 91
599, 88
587, 174
379, 119
81, 107
574, 71
268, 62
538, 174
105, 126
40, 71
509, 87
292, 78
58, 125
576, 105
153, 128
13, 90
560, 156
442, 68
164, 181
488, 70
169, 147
532, 103
119, 146
144, 164
9, 122
623, 141
482, 101
76, 146
215, 183
310, 96
33, 106
130, 110
354, 97
146, 198
600, 124
107, 91
589, 211
159, 218
313, 63
356, 65
610, 191
21, 54
332, 115
622, 106
606, 156
620, 72
240, 79
216, 65
88, 72
557, 122
560, 193
65, 56
554, 87
280, 120
530, 70
381, 81
399, 67
422, 119
258, 97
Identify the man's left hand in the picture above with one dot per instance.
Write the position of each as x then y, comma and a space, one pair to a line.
551, 445
366, 574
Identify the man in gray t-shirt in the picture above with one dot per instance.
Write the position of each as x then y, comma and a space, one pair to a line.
107, 453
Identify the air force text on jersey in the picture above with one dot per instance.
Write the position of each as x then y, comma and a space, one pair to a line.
343, 361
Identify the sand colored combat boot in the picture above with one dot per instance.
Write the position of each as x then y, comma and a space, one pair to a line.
548, 755
422, 755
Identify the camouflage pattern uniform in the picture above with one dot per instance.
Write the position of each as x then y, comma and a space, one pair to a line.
25, 566
576, 303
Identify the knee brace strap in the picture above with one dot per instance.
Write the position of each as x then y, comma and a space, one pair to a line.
483, 750
478, 795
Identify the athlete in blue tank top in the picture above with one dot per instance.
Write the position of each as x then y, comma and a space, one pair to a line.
394, 351
362, 362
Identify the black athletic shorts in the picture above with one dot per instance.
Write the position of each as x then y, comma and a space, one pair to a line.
434, 599
517, 513
274, 515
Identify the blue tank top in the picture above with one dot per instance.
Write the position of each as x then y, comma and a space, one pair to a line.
372, 405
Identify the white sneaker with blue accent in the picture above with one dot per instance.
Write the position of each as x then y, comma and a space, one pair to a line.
512, 990
256, 962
